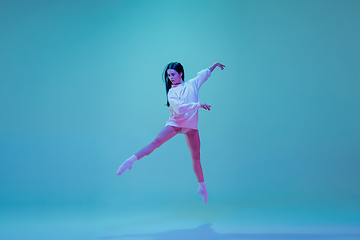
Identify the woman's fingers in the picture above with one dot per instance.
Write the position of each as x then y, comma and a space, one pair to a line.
206, 107
220, 65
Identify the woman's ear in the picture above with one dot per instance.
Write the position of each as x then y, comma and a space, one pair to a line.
181, 74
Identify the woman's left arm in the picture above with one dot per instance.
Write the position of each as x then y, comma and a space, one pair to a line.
216, 65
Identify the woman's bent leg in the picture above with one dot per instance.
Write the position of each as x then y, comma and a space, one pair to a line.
167, 133
193, 141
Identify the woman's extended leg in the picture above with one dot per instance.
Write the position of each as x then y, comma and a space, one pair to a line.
167, 133
193, 142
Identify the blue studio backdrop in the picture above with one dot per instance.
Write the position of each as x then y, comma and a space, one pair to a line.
81, 91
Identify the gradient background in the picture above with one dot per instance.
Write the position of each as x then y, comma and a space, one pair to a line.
81, 91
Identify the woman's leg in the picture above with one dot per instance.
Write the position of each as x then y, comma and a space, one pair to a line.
193, 142
167, 133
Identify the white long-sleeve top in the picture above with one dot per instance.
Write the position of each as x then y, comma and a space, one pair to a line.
184, 101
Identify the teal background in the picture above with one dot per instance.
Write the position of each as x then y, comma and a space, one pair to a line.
81, 91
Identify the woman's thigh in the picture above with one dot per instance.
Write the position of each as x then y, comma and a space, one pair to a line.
193, 142
165, 134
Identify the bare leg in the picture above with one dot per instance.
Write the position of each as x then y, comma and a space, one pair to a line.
167, 133
193, 142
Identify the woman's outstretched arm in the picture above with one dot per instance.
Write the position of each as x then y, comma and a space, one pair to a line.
216, 65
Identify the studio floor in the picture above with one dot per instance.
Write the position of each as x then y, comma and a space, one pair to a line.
176, 223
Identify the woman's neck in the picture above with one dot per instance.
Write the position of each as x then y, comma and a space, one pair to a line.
177, 84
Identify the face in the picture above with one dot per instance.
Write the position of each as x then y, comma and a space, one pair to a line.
175, 77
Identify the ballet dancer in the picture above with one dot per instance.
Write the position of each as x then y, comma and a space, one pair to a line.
183, 103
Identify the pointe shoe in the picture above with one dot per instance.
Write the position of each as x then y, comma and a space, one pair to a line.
203, 193
123, 167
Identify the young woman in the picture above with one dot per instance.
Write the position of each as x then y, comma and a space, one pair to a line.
183, 103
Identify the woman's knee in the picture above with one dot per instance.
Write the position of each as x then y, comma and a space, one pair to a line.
195, 157
156, 143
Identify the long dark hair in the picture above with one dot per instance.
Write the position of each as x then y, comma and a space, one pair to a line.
179, 68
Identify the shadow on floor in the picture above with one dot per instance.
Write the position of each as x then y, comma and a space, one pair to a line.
205, 232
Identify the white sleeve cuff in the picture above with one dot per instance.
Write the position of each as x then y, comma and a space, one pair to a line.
208, 71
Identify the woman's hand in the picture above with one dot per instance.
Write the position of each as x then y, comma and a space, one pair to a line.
205, 106
217, 65
220, 66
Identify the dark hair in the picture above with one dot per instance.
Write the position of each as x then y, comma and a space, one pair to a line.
179, 68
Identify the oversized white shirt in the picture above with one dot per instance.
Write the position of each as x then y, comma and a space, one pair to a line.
184, 101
